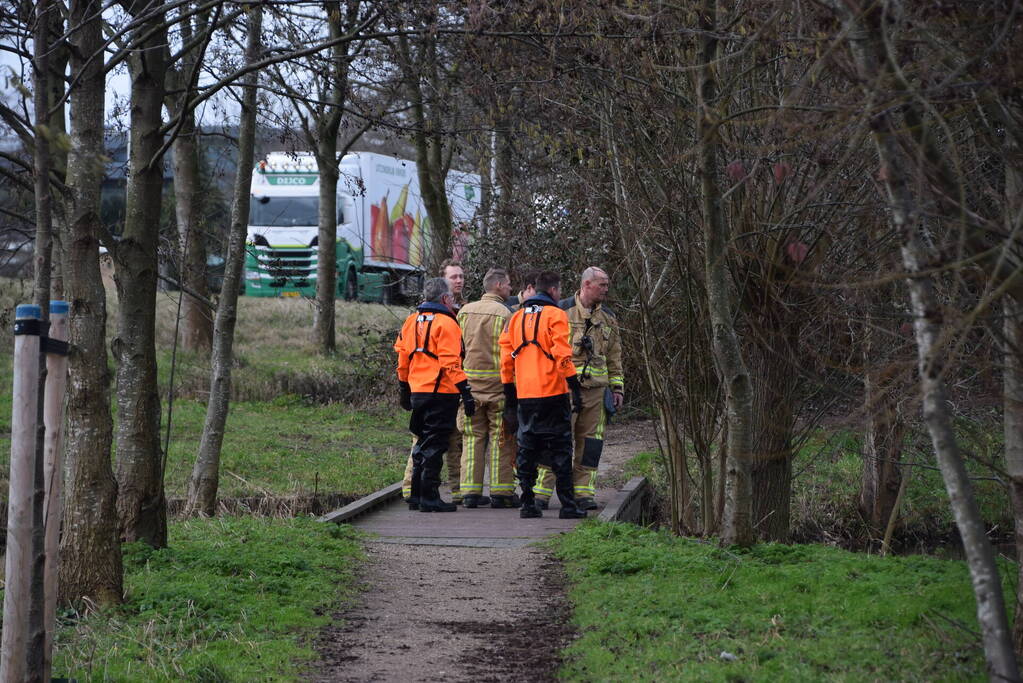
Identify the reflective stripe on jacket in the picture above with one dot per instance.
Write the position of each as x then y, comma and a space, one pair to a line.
537, 335
429, 348
482, 322
604, 366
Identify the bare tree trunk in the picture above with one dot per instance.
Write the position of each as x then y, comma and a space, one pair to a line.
90, 552
980, 556
43, 164
202, 486
896, 175
141, 505
429, 144
882, 437
773, 424
324, 323
736, 523
196, 321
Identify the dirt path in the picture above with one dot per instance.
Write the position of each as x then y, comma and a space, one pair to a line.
457, 614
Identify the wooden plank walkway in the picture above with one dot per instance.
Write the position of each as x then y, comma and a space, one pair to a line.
483, 527
387, 517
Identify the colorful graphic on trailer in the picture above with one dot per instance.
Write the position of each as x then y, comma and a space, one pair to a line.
397, 236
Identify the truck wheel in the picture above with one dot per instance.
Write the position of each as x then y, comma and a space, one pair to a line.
351, 287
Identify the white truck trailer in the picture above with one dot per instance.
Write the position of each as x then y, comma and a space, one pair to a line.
384, 237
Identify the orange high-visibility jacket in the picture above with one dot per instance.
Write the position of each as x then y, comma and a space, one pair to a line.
537, 335
429, 348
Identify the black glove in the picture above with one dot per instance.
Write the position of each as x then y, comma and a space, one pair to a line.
405, 395
511, 405
468, 402
577, 393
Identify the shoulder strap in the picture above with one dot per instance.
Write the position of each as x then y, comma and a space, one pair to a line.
538, 311
425, 346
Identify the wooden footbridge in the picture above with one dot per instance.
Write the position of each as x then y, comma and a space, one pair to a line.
386, 516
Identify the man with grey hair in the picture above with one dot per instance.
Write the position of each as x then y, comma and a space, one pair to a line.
485, 442
597, 355
430, 376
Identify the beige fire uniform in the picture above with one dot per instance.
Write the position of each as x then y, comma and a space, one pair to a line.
599, 366
484, 441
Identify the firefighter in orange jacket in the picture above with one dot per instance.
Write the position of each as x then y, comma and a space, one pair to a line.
431, 379
538, 373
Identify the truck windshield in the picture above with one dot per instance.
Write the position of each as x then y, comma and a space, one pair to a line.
284, 212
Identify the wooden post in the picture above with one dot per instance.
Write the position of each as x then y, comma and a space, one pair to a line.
53, 466
24, 419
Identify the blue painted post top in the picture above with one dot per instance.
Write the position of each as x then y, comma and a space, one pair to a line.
58, 307
28, 312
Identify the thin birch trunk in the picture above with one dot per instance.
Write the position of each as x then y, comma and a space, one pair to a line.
897, 176
202, 486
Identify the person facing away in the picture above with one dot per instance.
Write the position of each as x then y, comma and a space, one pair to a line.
484, 440
451, 271
537, 373
597, 354
431, 380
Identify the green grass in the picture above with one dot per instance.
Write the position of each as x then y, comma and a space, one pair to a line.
289, 446
652, 607
307, 422
231, 599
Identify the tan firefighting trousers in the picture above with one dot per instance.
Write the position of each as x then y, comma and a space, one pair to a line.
586, 424
485, 444
452, 458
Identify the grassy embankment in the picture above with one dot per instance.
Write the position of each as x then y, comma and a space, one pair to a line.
651, 607
240, 598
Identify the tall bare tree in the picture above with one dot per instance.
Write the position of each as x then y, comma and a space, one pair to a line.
90, 550
141, 503
898, 152
202, 485
196, 317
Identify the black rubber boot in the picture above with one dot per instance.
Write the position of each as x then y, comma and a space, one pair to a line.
505, 501
474, 500
565, 488
430, 500
413, 503
530, 511
586, 503
439, 505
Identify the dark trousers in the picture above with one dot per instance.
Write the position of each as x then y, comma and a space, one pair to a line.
545, 434
433, 420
